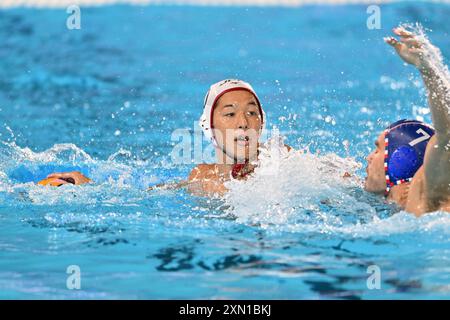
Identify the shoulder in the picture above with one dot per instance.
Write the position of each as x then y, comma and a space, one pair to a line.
202, 171
205, 179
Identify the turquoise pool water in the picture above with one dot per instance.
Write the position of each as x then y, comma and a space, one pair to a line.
105, 100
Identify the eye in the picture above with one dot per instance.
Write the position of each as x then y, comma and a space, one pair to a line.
230, 114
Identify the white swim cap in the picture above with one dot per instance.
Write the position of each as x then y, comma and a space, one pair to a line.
212, 96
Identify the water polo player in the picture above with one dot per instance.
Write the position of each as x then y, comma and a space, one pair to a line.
411, 162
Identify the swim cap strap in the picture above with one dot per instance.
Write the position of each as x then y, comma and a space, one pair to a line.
389, 183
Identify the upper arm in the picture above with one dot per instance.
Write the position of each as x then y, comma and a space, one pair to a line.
436, 170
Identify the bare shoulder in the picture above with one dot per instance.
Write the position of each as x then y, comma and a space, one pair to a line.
203, 171
206, 180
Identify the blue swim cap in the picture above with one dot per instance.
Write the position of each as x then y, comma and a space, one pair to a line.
405, 144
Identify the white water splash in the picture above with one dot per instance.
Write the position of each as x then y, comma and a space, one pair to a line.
402, 222
302, 192
118, 180
286, 184
122, 153
65, 153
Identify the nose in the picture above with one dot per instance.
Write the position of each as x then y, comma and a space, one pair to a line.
242, 121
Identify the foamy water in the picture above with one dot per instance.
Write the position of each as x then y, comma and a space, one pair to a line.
296, 191
302, 192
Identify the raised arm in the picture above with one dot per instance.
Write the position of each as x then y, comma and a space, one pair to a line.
437, 155
417, 50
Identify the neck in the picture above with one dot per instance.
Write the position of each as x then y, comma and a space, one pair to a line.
399, 194
224, 163
228, 166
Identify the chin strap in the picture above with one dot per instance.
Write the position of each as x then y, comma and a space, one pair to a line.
237, 170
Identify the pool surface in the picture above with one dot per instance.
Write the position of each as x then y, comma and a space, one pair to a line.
106, 99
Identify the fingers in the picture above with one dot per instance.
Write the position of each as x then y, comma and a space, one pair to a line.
406, 37
391, 41
411, 42
410, 47
57, 174
63, 174
402, 32
69, 180
59, 182
74, 177
395, 43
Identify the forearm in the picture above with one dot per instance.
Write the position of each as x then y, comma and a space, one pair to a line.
437, 155
169, 186
437, 84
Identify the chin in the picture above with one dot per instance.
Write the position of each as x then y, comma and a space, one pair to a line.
242, 154
241, 158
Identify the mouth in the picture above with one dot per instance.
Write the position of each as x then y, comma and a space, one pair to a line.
242, 140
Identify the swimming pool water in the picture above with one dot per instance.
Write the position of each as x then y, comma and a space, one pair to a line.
105, 100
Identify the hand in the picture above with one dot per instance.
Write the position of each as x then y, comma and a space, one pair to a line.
74, 177
411, 48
